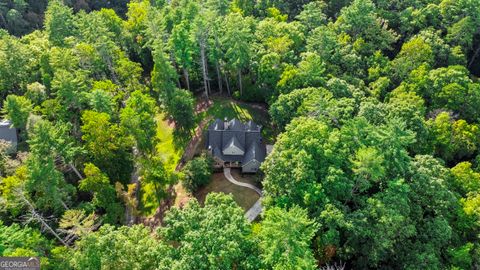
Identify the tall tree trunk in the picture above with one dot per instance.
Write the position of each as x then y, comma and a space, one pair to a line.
187, 79
174, 64
474, 57
219, 77
209, 87
130, 216
75, 170
218, 67
64, 205
204, 69
36, 216
228, 85
240, 82
179, 85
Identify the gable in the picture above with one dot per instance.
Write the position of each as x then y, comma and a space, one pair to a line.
252, 163
217, 159
233, 150
252, 166
233, 147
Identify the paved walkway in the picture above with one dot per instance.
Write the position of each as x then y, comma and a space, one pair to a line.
256, 209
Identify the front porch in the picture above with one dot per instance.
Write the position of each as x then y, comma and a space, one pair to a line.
226, 164
235, 164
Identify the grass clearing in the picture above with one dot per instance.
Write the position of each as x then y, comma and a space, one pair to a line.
171, 152
229, 108
168, 147
244, 197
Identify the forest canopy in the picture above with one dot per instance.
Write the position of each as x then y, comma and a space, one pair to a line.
376, 103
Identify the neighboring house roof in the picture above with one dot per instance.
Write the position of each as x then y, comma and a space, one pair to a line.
8, 133
5, 123
246, 137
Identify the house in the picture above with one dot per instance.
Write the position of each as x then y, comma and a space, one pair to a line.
8, 134
236, 144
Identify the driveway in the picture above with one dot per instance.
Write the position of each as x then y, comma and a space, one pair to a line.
256, 209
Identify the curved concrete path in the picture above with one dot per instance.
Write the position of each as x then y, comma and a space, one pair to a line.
256, 209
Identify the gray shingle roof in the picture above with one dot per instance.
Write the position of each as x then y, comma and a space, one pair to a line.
246, 137
8, 133
252, 126
235, 124
216, 125
234, 142
255, 152
227, 136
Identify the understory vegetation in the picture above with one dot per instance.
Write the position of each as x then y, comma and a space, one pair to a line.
376, 104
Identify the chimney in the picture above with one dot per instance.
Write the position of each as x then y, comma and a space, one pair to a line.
225, 123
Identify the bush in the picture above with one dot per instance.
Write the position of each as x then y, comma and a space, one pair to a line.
197, 172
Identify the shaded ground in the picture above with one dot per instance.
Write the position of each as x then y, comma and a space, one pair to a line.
194, 146
228, 174
253, 179
245, 197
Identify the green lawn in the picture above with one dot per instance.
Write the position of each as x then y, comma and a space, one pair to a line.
171, 151
244, 197
229, 108
168, 146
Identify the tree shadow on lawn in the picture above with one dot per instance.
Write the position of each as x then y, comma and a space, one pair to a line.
181, 139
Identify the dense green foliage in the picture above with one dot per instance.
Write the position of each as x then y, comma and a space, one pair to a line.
285, 238
377, 165
197, 172
22, 16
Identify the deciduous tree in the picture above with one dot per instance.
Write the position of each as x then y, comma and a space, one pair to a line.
213, 236
285, 238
